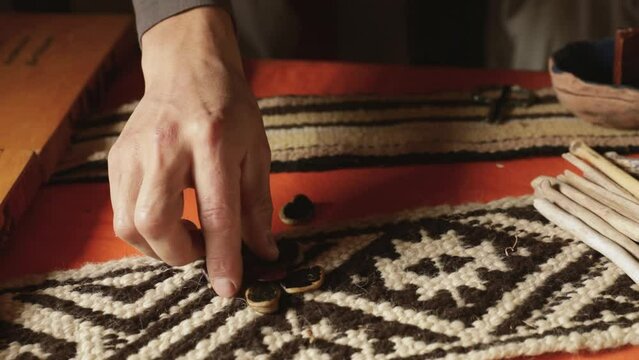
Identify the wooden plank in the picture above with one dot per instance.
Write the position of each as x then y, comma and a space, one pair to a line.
20, 178
51, 68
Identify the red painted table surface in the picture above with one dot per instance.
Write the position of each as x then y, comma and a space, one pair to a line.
69, 225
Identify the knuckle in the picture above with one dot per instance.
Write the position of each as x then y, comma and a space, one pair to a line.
124, 229
210, 124
210, 132
218, 217
148, 222
124, 150
125, 232
166, 133
218, 113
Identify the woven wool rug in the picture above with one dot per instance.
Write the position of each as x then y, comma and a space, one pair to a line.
468, 282
311, 133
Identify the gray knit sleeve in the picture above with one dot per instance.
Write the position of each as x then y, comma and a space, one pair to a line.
151, 12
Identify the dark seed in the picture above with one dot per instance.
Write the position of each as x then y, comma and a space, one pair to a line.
301, 209
262, 292
264, 297
303, 280
302, 200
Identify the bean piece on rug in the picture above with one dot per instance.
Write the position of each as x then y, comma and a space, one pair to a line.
263, 297
303, 280
298, 211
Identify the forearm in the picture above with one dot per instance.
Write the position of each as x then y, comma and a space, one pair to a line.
201, 40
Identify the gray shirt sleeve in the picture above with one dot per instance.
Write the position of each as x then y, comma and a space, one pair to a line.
151, 12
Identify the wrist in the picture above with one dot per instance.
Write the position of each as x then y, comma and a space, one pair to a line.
200, 39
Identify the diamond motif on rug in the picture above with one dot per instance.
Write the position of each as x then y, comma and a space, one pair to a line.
469, 282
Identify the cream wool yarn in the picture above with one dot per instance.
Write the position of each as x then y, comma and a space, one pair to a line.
478, 281
312, 133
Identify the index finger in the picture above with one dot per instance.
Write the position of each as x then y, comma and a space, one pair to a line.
217, 185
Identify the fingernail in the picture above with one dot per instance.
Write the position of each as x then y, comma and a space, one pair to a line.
272, 245
224, 287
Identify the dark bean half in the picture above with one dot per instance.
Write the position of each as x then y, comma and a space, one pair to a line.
302, 280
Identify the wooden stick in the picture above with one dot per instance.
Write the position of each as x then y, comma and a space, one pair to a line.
580, 149
543, 189
619, 222
596, 241
610, 199
597, 176
629, 164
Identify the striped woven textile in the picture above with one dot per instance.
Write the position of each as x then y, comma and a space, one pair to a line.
314, 133
474, 282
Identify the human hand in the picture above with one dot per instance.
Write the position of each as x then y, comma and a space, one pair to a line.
197, 125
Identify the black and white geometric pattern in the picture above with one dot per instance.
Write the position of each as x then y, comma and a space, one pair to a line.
469, 282
318, 133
